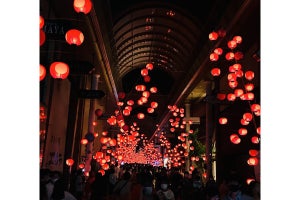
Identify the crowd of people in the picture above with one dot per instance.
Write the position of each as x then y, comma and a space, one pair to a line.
143, 182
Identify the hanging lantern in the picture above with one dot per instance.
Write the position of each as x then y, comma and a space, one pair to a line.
74, 36
147, 79
252, 161
112, 120
42, 37
223, 120
247, 116
154, 104
244, 122
255, 107
42, 22
70, 162
238, 55
238, 92
121, 95
146, 94
229, 56
231, 77
83, 6
249, 180
243, 131
140, 115
238, 39
59, 70
258, 130
231, 97
249, 87
84, 141
237, 66
249, 75
140, 88
126, 112
153, 89
98, 112
218, 51
42, 72
235, 139
239, 73
149, 66
130, 102
214, 57
144, 72
253, 152
232, 84
231, 44
215, 71
81, 166
113, 142
221, 96
213, 36
255, 140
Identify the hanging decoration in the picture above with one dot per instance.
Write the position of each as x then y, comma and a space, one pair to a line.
74, 36
59, 70
83, 6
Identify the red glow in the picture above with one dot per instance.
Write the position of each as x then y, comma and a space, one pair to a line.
74, 36
223, 120
83, 6
42, 72
149, 66
214, 57
144, 72
213, 36
253, 152
235, 139
59, 70
70, 162
42, 22
215, 71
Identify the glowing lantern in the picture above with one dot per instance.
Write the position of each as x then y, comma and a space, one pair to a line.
255, 107
238, 92
70, 162
42, 22
239, 73
140, 116
249, 75
103, 140
101, 171
126, 112
99, 155
112, 120
213, 36
83, 6
223, 120
243, 131
42, 37
249, 180
121, 95
235, 139
120, 157
214, 57
237, 66
105, 167
253, 152
98, 112
231, 97
218, 51
255, 140
147, 79
172, 129
204, 175
221, 96
42, 72
252, 161
153, 89
231, 44
59, 70
74, 36
233, 84
229, 56
258, 130
149, 66
140, 88
81, 166
84, 141
144, 72
247, 116
238, 55
113, 142
244, 122
130, 102
154, 104
238, 39
249, 87
231, 77
215, 71
146, 94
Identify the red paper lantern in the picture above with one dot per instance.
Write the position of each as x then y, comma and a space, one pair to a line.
247, 116
149, 66
42, 37
258, 130
153, 89
215, 71
252, 161
98, 112
231, 97
140, 115
223, 120
74, 36
255, 140
147, 79
232, 84
238, 55
214, 57
221, 96
249, 75
213, 36
84, 141
255, 107
144, 72
243, 131
81, 166
238, 39
83, 6
126, 112
140, 88
231, 44
42, 72
218, 51
59, 70
70, 162
130, 102
229, 56
42, 22
237, 66
249, 87
238, 92
235, 139
253, 152
146, 94
154, 104
121, 95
